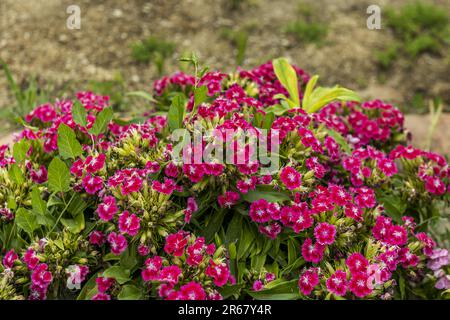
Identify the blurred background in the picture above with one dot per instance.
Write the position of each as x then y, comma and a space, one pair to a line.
123, 46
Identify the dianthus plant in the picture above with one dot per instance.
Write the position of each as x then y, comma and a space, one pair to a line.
97, 207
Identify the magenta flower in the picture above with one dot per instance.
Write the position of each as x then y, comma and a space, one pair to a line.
291, 178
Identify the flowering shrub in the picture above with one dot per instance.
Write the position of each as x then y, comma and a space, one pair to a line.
95, 207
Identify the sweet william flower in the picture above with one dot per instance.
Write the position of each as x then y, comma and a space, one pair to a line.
94, 164
337, 283
101, 296
117, 242
176, 243
9, 259
92, 184
397, 236
152, 267
39, 176
41, 277
191, 208
307, 281
192, 291
219, 273
170, 274
103, 284
257, 285
229, 199
312, 252
357, 263
270, 230
291, 178
131, 184
434, 185
129, 223
107, 209
325, 233
97, 237
358, 284
31, 259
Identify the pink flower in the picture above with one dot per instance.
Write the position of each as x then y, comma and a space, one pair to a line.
175, 243
129, 223
307, 281
167, 187
103, 284
359, 284
382, 228
92, 184
131, 184
117, 242
152, 267
291, 178
77, 168
312, 253
41, 277
434, 185
95, 164
325, 233
387, 166
257, 285
31, 259
219, 273
398, 235
194, 252
427, 242
337, 283
97, 237
229, 199
107, 209
270, 230
171, 170
194, 172
39, 176
356, 262
191, 208
170, 274
353, 212
192, 291
258, 211
101, 296
9, 259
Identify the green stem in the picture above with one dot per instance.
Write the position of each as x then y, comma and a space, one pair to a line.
61, 214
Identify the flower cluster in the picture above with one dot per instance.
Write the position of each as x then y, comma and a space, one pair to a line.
345, 214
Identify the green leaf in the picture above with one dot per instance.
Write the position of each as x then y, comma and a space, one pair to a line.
230, 290
26, 221
214, 224
271, 196
176, 113
268, 120
16, 175
121, 275
20, 150
287, 290
278, 109
200, 95
321, 96
88, 286
79, 114
128, 259
58, 176
75, 225
340, 140
246, 239
130, 292
287, 75
141, 94
68, 145
101, 122
394, 207
39, 205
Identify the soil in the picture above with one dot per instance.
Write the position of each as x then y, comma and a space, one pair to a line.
35, 41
